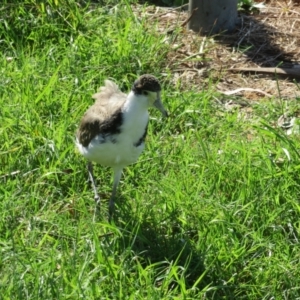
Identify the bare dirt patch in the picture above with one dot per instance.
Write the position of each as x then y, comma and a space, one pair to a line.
269, 38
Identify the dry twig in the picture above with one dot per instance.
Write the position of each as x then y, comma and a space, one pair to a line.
289, 72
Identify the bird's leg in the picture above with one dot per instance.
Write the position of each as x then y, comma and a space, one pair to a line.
117, 177
92, 179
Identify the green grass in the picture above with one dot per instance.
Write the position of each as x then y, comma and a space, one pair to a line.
210, 211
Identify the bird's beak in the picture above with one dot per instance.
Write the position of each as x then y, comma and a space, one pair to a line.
158, 104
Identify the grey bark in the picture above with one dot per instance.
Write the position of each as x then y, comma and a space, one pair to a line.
213, 16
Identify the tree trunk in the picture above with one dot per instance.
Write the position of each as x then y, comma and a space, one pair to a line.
212, 16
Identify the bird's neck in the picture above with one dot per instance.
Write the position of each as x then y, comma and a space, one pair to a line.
137, 103
136, 113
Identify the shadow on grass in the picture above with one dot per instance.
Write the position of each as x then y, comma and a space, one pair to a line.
165, 244
161, 241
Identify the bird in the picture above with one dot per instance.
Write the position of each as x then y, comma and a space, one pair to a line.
112, 131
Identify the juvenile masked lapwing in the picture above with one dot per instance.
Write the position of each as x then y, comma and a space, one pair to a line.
112, 132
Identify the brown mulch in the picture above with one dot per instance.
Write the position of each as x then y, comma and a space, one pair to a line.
265, 39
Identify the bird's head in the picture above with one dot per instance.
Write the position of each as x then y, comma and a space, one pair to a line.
149, 86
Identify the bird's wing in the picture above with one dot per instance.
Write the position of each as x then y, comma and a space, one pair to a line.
105, 116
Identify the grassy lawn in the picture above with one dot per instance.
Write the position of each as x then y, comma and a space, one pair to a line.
210, 211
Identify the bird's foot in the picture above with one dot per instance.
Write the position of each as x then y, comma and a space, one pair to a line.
111, 209
97, 199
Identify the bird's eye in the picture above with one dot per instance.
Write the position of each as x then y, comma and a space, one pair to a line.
145, 93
